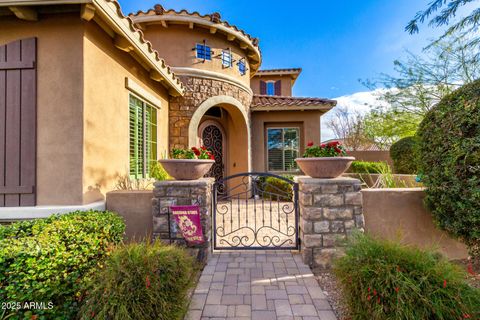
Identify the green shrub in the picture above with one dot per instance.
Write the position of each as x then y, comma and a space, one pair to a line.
46, 260
449, 153
278, 189
140, 281
385, 280
404, 155
366, 167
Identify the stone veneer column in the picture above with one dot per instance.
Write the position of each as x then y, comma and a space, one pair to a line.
175, 192
329, 210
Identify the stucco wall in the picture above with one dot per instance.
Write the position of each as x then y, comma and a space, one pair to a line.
399, 214
136, 208
59, 103
286, 84
310, 121
106, 115
176, 42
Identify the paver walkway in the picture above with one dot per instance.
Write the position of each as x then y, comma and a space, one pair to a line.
263, 285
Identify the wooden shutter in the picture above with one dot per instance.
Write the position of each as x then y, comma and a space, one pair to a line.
263, 87
278, 88
18, 100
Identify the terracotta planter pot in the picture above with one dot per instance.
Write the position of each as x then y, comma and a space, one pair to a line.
327, 167
186, 169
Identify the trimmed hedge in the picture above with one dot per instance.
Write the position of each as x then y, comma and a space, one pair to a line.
449, 154
367, 167
46, 260
386, 280
404, 155
141, 281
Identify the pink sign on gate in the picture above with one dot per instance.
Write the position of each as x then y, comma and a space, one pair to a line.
188, 220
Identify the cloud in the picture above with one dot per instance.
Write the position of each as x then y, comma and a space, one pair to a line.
361, 102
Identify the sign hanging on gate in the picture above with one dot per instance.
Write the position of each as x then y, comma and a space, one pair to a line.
189, 223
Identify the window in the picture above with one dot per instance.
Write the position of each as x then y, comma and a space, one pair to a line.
242, 67
143, 137
203, 52
270, 88
227, 60
283, 146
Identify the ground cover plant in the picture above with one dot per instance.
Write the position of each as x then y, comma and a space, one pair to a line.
449, 159
386, 280
46, 260
140, 281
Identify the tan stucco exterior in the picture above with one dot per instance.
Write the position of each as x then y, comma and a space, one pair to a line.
307, 121
176, 43
286, 83
82, 107
399, 215
106, 113
59, 103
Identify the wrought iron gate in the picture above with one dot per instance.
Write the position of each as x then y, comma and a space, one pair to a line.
255, 211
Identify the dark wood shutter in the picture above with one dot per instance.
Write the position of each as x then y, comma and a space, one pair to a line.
278, 88
263, 87
18, 123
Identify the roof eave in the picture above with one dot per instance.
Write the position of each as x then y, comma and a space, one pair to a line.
143, 48
321, 107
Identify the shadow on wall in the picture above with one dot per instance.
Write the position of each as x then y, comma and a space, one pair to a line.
399, 214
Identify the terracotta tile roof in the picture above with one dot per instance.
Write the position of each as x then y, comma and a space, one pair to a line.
213, 17
287, 70
264, 102
168, 73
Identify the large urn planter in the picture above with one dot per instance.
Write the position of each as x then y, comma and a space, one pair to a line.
324, 167
186, 169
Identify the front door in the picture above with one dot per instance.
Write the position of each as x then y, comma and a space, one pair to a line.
213, 140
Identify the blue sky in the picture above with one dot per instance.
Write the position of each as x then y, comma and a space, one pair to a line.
335, 42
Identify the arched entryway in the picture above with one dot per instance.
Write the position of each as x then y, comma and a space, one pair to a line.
221, 124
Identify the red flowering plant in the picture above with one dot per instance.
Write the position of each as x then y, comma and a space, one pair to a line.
194, 153
331, 149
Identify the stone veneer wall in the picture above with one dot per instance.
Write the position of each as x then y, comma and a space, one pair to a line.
198, 90
174, 192
329, 210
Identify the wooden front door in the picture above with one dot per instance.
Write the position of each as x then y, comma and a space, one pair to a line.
18, 123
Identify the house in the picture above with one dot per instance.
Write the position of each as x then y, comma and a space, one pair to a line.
91, 94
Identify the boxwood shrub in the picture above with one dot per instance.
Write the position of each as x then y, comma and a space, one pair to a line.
46, 260
278, 189
385, 280
449, 157
140, 281
367, 167
404, 155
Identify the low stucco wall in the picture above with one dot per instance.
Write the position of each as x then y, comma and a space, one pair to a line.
136, 208
399, 214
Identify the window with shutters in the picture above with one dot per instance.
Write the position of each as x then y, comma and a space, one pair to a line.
143, 137
242, 67
283, 146
270, 88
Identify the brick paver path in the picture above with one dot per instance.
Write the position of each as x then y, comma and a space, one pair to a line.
258, 285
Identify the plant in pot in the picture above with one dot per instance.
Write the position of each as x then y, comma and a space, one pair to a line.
188, 164
324, 161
